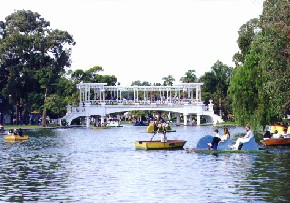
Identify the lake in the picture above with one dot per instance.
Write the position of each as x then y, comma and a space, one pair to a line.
85, 165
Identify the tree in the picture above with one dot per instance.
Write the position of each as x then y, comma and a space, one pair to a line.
216, 84
168, 81
265, 74
91, 76
31, 51
247, 33
189, 77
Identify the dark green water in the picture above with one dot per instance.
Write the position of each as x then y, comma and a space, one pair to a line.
85, 165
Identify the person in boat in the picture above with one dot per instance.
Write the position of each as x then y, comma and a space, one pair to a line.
155, 127
20, 132
167, 126
276, 135
1, 129
216, 139
226, 135
10, 132
267, 135
15, 132
241, 140
163, 137
284, 134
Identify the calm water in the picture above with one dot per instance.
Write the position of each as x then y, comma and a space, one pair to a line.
85, 165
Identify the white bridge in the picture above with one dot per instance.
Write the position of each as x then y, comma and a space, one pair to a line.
97, 99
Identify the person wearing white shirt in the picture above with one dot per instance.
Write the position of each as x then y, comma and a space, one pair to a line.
244, 139
276, 135
284, 134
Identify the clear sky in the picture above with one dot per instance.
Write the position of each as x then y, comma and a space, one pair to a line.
146, 40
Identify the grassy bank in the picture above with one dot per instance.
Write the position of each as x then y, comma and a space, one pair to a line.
8, 127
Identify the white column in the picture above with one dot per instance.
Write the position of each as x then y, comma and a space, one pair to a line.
190, 119
102, 120
177, 119
184, 119
197, 119
88, 122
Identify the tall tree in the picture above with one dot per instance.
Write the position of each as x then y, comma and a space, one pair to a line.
215, 86
168, 81
266, 70
31, 51
189, 77
247, 33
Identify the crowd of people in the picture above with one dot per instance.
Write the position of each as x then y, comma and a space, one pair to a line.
277, 135
226, 135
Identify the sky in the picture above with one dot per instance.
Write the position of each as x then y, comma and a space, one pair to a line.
146, 40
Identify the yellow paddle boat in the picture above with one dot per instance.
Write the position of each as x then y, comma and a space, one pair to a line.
157, 144
16, 137
100, 127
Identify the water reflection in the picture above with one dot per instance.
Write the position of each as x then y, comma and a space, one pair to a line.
84, 165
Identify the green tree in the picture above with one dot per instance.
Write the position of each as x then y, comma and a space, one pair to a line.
168, 81
91, 76
215, 86
31, 51
189, 77
247, 33
260, 87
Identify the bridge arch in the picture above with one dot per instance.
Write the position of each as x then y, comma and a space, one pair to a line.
97, 99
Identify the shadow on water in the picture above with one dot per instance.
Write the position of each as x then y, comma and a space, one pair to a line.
85, 165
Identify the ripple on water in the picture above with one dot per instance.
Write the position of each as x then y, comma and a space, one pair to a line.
84, 165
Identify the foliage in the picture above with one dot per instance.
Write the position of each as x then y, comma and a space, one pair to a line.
260, 87
32, 58
91, 76
189, 77
168, 81
215, 86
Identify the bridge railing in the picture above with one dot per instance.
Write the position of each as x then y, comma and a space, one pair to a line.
141, 102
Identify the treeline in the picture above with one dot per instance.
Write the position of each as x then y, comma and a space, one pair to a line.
35, 75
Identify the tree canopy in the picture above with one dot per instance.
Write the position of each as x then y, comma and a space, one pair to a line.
260, 86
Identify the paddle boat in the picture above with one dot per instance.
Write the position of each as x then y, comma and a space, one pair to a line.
100, 127
16, 137
224, 147
276, 141
113, 122
157, 144
140, 123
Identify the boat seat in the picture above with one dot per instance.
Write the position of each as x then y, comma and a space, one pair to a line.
202, 143
224, 145
251, 145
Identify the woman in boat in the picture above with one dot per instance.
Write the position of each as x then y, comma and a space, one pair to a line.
15, 132
284, 133
10, 132
226, 134
276, 135
216, 139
